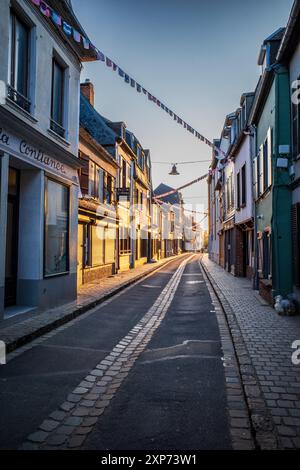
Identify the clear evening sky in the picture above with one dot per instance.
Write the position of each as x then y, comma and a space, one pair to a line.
196, 56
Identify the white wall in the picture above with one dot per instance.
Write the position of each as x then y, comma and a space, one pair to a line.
44, 43
242, 157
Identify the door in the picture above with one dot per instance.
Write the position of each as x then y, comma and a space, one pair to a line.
80, 254
12, 229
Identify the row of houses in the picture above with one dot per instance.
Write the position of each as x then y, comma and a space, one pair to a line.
76, 196
254, 199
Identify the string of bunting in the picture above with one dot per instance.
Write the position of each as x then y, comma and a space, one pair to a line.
56, 18
173, 191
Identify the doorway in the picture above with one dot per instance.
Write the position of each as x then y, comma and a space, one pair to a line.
12, 229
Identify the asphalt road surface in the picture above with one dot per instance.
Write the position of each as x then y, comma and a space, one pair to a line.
172, 395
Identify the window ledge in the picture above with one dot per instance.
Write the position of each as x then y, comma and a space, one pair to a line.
11, 104
58, 138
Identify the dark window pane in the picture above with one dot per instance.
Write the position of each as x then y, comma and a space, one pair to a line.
21, 58
57, 93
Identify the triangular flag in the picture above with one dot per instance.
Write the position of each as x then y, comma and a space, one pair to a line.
114, 67
127, 78
138, 88
108, 62
121, 73
132, 82
144, 91
100, 56
36, 2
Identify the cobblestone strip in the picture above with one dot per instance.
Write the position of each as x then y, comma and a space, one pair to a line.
18, 334
68, 426
240, 424
41, 339
261, 423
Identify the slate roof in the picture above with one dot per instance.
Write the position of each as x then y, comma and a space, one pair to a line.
95, 124
172, 198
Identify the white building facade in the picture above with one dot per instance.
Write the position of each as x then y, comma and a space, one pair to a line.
39, 120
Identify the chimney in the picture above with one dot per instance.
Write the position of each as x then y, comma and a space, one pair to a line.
87, 89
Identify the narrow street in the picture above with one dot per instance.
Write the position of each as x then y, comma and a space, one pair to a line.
143, 370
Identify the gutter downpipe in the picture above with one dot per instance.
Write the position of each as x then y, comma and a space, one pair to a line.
255, 282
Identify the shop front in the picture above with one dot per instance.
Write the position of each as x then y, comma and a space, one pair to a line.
38, 214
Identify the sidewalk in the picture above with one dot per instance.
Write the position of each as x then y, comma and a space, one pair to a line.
268, 338
17, 331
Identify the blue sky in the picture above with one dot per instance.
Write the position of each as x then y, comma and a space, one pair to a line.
197, 56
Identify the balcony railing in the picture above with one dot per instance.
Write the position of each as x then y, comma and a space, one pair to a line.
18, 98
57, 128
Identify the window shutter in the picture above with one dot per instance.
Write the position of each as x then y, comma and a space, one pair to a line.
255, 192
296, 242
84, 173
270, 153
260, 171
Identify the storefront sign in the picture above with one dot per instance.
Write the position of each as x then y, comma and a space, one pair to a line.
26, 151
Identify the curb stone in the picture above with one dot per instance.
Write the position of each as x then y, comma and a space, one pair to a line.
262, 424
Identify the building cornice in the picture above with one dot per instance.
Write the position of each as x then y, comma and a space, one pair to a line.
20, 127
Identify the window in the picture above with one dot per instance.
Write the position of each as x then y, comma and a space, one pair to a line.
19, 58
97, 245
124, 240
124, 174
244, 188
110, 237
56, 228
57, 102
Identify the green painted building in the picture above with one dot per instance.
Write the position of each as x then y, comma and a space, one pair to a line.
270, 121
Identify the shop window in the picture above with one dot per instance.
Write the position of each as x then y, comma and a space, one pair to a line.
97, 245
110, 238
18, 90
56, 228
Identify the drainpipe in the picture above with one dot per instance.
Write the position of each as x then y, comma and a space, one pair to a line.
255, 282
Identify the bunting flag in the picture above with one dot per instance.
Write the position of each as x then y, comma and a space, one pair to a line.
67, 28
173, 191
86, 43
57, 19
76, 36
47, 11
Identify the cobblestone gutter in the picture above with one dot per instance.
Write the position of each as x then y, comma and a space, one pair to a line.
260, 424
